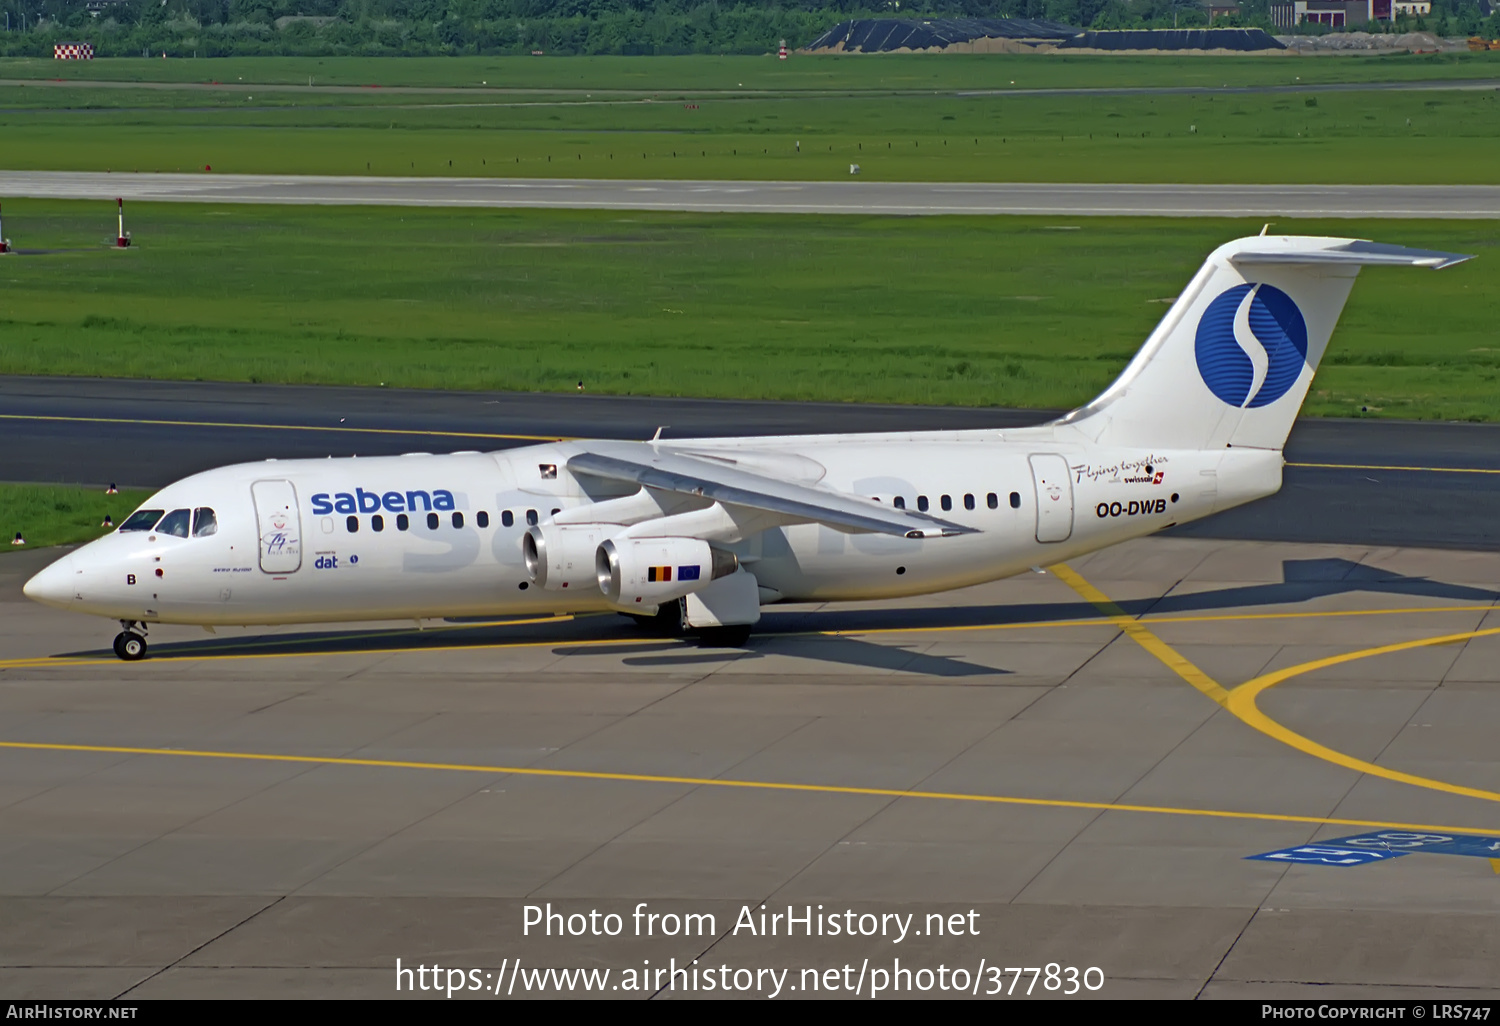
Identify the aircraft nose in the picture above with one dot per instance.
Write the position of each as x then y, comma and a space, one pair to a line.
55, 585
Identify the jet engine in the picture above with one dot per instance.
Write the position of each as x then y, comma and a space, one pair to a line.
651, 571
560, 556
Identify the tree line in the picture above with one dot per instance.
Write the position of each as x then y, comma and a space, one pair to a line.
217, 28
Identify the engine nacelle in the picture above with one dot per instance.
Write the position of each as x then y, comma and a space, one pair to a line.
561, 556
652, 571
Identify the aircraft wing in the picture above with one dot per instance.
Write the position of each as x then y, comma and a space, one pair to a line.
733, 486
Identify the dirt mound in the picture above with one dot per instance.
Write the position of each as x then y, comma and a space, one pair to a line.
1355, 42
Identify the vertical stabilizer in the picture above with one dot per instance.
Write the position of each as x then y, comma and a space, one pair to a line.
1232, 361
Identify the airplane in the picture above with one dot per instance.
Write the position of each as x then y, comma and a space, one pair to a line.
697, 535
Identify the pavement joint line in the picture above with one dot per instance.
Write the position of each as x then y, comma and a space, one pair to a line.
283, 427
1241, 701
103, 659
764, 785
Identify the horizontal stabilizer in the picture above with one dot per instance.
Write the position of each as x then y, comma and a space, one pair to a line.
1357, 251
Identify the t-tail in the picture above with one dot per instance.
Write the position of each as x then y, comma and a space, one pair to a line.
1231, 363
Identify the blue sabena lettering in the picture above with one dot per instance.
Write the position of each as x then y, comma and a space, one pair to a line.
361, 501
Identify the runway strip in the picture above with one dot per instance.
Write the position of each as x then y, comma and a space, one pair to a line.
841, 197
632, 95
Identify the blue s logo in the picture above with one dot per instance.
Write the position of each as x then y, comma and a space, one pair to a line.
1251, 345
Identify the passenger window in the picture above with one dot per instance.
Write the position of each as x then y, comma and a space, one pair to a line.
968, 502
947, 502
482, 519
506, 519
432, 521
1015, 500
898, 502
175, 523
141, 520
204, 522
402, 522
555, 512
458, 520
993, 500
352, 523
377, 523
531, 517
922, 503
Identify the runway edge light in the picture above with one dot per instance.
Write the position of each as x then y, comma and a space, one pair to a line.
122, 238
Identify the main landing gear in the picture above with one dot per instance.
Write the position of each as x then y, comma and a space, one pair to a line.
130, 644
670, 621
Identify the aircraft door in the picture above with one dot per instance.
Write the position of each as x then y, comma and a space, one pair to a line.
280, 526
1054, 497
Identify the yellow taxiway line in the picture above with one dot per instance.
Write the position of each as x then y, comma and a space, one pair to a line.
420, 432
416, 432
761, 785
1414, 470
1241, 703
1115, 619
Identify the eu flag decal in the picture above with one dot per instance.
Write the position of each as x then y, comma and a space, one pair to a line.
687, 573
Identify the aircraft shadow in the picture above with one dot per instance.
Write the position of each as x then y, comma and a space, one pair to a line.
808, 634
1302, 580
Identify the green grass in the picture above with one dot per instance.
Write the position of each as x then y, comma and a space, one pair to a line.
60, 514
879, 72
948, 310
1448, 136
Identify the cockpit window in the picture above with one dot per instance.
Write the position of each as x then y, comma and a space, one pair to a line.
204, 522
175, 523
141, 520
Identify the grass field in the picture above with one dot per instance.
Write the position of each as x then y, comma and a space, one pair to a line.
59, 514
835, 72
978, 311
1444, 136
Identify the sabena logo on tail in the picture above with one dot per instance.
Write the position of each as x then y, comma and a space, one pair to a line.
1251, 345
1230, 363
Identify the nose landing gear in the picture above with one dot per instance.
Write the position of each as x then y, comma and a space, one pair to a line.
130, 644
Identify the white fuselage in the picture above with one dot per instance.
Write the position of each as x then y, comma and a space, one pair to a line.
297, 541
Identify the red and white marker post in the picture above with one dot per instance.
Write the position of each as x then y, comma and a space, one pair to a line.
121, 240
781, 53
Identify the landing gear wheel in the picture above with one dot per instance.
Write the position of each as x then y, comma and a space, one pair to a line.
130, 646
724, 637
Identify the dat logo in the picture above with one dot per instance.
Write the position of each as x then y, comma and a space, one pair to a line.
329, 561
1251, 345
